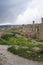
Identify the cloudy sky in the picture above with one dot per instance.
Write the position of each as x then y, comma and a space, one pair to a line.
20, 11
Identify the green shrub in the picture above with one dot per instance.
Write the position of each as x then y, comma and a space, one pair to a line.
22, 52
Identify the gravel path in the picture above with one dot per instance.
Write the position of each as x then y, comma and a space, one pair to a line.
7, 58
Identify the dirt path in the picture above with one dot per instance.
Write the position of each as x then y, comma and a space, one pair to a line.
7, 58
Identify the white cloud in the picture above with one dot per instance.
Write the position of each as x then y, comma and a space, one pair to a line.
20, 11
10, 9
34, 11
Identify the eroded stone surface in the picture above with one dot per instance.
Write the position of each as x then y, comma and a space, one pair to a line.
7, 58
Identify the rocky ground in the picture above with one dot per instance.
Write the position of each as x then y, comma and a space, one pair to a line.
7, 58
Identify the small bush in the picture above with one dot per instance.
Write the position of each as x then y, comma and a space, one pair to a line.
38, 56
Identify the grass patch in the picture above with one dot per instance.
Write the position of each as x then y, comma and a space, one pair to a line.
27, 53
22, 46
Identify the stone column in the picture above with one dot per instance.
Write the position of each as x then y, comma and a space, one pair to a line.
41, 30
33, 29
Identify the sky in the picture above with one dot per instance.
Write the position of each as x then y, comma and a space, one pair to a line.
17, 12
